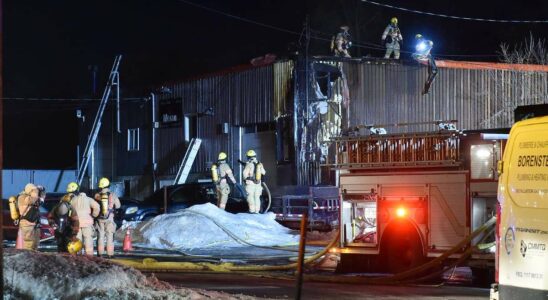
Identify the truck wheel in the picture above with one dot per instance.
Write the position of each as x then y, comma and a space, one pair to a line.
401, 248
483, 277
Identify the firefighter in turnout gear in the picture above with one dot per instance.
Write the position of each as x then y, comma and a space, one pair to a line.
340, 43
221, 172
392, 38
63, 218
28, 204
86, 209
253, 172
108, 202
422, 54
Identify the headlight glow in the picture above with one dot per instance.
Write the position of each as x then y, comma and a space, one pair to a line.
44, 221
131, 210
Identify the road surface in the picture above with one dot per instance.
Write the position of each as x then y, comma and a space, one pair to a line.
285, 289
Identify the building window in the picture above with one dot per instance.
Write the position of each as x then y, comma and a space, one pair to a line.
484, 160
133, 139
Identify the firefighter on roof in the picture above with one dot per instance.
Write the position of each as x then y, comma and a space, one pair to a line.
340, 43
392, 38
253, 172
108, 202
422, 54
87, 209
221, 172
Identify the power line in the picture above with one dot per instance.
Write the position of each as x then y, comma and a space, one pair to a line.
454, 17
66, 99
357, 44
240, 18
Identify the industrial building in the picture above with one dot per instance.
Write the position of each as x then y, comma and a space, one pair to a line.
288, 111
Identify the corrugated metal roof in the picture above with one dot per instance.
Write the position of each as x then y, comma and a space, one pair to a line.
477, 98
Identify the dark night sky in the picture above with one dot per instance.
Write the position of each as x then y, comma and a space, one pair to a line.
48, 46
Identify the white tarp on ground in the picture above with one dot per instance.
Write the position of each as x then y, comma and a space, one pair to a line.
35, 275
196, 228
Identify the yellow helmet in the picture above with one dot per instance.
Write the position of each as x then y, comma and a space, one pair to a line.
104, 182
74, 246
418, 36
222, 156
72, 187
251, 153
29, 188
394, 20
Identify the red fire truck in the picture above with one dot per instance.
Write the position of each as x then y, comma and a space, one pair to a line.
406, 198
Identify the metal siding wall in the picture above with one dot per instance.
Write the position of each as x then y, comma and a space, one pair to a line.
478, 99
170, 150
283, 104
238, 98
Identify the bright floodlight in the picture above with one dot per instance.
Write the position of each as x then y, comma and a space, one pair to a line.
483, 153
421, 46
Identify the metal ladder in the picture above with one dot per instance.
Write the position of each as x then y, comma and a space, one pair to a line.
113, 81
188, 160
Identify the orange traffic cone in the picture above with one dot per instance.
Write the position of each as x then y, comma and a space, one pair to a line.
127, 241
19, 242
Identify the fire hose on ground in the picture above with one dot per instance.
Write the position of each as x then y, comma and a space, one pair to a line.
408, 276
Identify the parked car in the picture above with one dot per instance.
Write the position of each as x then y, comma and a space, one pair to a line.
179, 197
51, 200
10, 229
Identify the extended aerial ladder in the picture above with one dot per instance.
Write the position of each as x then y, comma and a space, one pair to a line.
113, 82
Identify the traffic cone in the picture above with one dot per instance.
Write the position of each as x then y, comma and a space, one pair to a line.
127, 241
19, 242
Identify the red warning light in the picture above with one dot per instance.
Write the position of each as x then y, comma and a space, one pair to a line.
401, 212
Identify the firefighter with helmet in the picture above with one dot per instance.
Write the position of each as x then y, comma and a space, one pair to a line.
340, 43
63, 218
253, 172
108, 202
422, 54
392, 38
28, 210
221, 172
87, 209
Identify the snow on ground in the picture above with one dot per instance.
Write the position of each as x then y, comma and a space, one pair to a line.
196, 228
36, 275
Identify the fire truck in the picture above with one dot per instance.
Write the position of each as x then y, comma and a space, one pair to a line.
406, 198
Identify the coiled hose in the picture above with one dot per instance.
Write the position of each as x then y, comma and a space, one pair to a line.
149, 264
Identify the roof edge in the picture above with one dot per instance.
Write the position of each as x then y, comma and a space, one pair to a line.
473, 65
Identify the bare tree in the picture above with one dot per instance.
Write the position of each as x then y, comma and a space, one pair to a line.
530, 51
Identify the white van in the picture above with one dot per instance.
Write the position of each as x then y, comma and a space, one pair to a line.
522, 219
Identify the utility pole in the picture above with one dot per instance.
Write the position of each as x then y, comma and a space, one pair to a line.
1, 140
300, 107
357, 25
